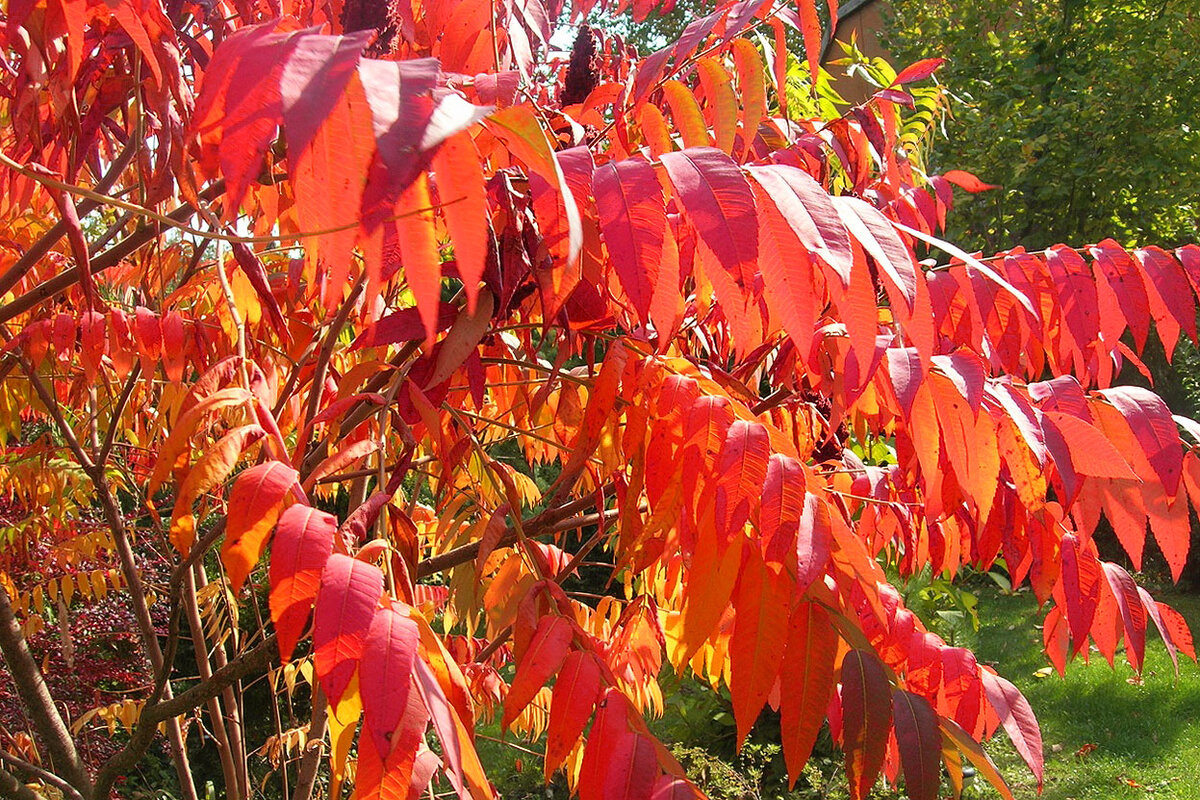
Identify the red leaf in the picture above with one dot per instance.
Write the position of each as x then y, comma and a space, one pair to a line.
239, 107
866, 719
806, 683
303, 542
1017, 718
718, 203
809, 212
918, 71
1171, 293
783, 495
919, 743
1081, 582
633, 218
1152, 424
618, 764
345, 607
877, 236
385, 676
1176, 626
256, 273
576, 690
760, 603
1117, 272
1169, 522
965, 180
416, 236
955, 736
542, 658
460, 186
810, 25
313, 79
789, 280
814, 541
1091, 452
1133, 613
254, 506
742, 469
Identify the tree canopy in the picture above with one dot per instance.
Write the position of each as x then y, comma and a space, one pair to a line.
389, 376
1083, 111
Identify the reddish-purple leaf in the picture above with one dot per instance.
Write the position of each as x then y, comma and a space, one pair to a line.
919, 743
809, 212
866, 719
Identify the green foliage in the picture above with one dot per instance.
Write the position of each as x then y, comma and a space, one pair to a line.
1085, 111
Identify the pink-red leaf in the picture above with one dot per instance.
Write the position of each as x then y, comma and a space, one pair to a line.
1152, 424
576, 690
1017, 718
633, 218
718, 203
385, 677
345, 607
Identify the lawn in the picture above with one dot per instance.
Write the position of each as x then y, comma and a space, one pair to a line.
1146, 734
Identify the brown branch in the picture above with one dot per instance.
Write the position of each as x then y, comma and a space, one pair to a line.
42, 775
11, 787
549, 521
129, 570
34, 694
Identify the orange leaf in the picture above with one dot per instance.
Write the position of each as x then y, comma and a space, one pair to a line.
806, 683
255, 503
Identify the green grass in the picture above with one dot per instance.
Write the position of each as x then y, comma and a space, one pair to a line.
1147, 732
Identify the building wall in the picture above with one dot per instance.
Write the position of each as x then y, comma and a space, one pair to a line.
865, 20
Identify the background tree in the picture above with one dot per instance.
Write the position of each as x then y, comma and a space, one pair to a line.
396, 389
1083, 112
